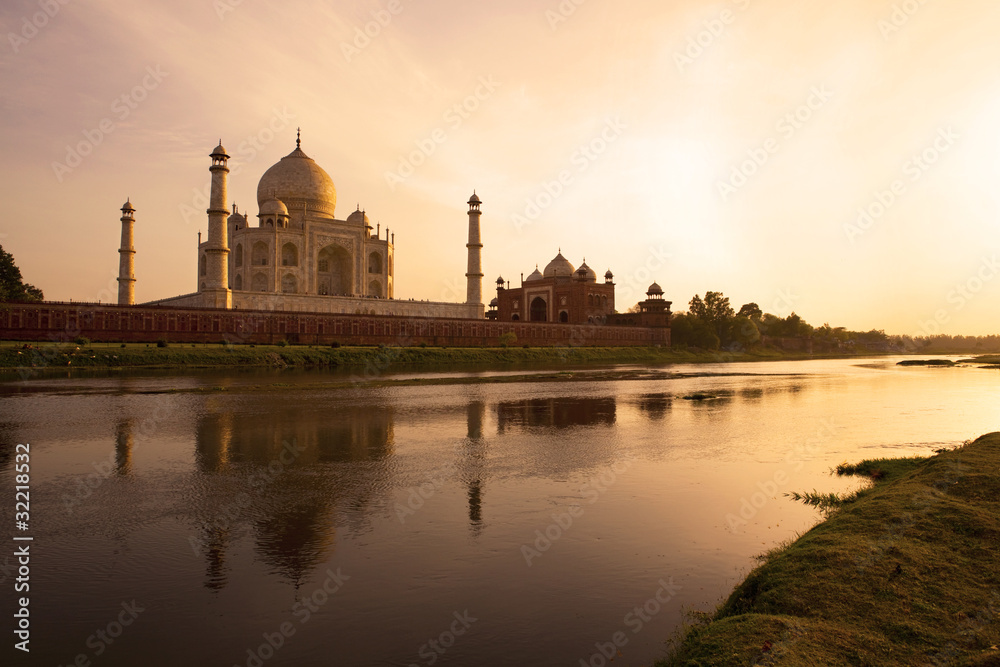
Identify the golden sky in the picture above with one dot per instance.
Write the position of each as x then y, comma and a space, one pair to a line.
835, 159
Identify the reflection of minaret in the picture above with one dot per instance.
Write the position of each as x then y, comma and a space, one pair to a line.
213, 440
124, 440
215, 541
476, 458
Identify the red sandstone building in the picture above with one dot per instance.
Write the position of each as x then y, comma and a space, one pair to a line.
559, 294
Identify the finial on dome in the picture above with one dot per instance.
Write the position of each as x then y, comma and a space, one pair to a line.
298, 137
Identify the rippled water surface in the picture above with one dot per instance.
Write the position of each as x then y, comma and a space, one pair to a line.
293, 519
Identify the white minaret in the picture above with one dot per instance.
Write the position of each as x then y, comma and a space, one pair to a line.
126, 260
217, 293
475, 246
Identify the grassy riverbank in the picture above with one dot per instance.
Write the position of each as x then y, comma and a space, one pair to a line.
905, 573
114, 355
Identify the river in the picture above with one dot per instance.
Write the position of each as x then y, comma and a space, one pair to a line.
293, 518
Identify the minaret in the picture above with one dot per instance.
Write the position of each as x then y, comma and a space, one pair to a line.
126, 260
217, 293
475, 246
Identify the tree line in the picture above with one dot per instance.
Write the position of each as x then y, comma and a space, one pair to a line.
711, 323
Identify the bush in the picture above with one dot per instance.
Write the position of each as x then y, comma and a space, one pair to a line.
123, 344
335, 344
81, 340
282, 343
423, 345
162, 343
508, 338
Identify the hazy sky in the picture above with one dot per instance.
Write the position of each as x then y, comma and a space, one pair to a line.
721, 146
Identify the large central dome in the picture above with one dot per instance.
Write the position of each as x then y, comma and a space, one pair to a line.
300, 183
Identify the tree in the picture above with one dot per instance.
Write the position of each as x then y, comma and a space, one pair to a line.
686, 329
714, 310
742, 333
12, 286
751, 311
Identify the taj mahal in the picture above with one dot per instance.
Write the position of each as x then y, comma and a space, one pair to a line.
298, 256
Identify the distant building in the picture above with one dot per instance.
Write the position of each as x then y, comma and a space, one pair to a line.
653, 312
559, 294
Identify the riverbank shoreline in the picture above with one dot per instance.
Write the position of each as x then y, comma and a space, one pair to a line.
35, 357
906, 572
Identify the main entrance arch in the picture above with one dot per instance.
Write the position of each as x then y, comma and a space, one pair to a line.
334, 271
539, 310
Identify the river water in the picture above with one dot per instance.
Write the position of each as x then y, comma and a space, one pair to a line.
297, 519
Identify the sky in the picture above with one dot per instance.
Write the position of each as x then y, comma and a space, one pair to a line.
838, 160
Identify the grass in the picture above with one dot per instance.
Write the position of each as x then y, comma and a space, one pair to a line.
205, 355
905, 572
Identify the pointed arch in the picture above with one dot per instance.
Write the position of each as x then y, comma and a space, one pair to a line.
539, 310
335, 271
289, 254
259, 254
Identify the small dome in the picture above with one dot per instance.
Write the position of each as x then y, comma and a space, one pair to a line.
559, 267
654, 289
474, 199
359, 217
500, 281
494, 303
274, 207
236, 216
535, 275
586, 273
127, 206
609, 275
219, 151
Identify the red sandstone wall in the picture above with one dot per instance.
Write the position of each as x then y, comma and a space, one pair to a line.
148, 324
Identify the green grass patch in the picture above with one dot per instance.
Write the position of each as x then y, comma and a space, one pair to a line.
905, 573
206, 355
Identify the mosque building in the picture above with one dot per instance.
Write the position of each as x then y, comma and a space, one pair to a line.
298, 256
561, 293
